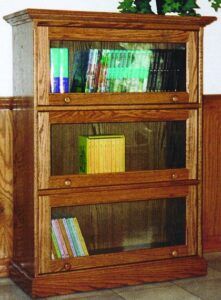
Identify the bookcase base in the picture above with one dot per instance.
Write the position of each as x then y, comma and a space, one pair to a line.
109, 277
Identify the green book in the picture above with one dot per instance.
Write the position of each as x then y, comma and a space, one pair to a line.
55, 244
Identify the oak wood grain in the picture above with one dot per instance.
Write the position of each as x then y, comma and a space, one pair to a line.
106, 19
85, 99
6, 174
33, 31
109, 277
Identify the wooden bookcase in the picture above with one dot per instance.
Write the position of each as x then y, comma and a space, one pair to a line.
141, 225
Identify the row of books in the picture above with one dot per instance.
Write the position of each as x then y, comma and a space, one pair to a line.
167, 70
67, 238
102, 154
113, 70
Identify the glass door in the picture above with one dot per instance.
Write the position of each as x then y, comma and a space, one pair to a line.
157, 68
94, 228
95, 148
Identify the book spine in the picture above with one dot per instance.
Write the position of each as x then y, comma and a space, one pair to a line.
74, 253
151, 70
112, 70
120, 154
54, 70
79, 246
55, 243
59, 78
116, 86
88, 73
65, 237
58, 237
80, 236
64, 77
62, 242
73, 236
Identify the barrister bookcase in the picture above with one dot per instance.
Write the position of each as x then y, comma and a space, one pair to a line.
122, 207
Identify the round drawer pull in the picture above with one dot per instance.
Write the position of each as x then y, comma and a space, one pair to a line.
67, 182
67, 100
174, 176
174, 253
67, 266
175, 98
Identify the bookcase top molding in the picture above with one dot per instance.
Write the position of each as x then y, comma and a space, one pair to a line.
44, 17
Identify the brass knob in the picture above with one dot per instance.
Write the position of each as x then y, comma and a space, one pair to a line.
174, 176
174, 253
67, 99
67, 266
67, 182
175, 98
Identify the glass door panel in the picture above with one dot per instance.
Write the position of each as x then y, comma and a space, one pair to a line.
117, 147
117, 227
117, 67
113, 226
84, 148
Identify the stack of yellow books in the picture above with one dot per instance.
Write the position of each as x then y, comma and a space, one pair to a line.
102, 154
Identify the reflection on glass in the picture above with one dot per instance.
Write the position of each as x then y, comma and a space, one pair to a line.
90, 67
148, 145
126, 226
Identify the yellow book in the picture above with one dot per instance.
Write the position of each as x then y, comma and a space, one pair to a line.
102, 154
113, 154
120, 154
108, 155
80, 236
91, 156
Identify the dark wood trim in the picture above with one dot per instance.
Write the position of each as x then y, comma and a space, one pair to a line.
6, 102
44, 17
15, 102
110, 277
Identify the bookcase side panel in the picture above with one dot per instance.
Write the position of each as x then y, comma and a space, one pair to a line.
23, 189
23, 146
42, 64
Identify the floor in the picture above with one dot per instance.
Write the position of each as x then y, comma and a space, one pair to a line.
205, 288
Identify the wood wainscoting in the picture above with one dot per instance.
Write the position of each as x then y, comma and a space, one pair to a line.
212, 173
6, 203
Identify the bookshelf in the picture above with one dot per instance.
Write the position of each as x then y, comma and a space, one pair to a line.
108, 192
